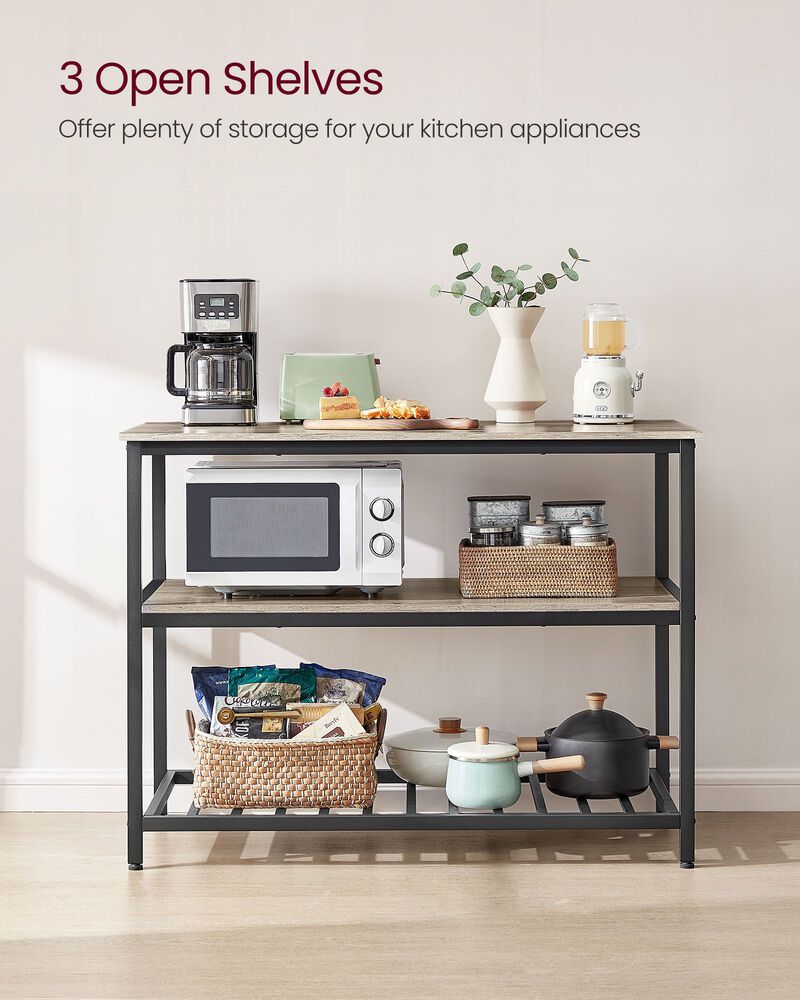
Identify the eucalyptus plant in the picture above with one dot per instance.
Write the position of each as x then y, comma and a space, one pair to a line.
508, 284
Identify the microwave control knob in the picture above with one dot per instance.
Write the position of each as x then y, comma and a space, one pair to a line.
381, 545
381, 509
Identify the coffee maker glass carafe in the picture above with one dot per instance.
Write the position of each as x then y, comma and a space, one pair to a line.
219, 373
604, 330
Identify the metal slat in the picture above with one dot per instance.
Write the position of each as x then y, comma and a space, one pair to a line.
584, 807
497, 812
324, 811
158, 803
236, 812
451, 809
366, 811
664, 802
627, 805
536, 790
411, 799
193, 809
280, 811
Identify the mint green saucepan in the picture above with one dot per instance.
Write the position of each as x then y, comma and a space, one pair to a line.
484, 775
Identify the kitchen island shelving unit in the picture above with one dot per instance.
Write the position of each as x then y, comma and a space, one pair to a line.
656, 601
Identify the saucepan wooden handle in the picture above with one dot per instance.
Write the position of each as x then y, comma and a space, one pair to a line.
552, 765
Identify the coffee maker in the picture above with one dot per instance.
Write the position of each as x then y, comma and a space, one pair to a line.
219, 322
604, 389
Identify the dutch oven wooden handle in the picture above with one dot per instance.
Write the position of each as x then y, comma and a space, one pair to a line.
531, 744
596, 700
667, 743
576, 762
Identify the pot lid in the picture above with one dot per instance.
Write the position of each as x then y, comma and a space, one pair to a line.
495, 498
597, 724
440, 738
482, 750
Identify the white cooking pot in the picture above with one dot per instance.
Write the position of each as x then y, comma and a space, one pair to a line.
420, 756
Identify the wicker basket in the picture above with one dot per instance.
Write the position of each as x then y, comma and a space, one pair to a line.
270, 774
538, 571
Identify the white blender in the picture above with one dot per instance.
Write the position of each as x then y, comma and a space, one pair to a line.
604, 389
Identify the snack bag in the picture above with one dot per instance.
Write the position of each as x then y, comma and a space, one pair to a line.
371, 682
209, 683
303, 676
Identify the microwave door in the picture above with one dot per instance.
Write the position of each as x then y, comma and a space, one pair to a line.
273, 534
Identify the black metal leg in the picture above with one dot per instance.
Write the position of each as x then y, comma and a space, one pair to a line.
159, 533
662, 697
134, 515
662, 631
687, 627
159, 706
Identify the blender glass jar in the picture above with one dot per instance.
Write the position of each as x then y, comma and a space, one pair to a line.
604, 329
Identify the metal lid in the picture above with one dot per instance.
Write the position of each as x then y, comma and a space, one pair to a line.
494, 529
573, 503
495, 498
439, 739
588, 527
482, 751
597, 724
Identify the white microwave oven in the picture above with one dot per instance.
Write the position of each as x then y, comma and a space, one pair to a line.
293, 526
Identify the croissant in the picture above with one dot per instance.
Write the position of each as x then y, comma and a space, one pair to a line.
402, 409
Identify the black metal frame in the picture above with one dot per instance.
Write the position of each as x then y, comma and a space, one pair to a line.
157, 816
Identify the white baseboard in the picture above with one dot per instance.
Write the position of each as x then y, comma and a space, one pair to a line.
718, 789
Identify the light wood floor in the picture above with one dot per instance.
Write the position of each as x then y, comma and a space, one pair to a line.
554, 916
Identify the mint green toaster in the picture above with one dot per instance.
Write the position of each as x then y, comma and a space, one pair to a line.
304, 376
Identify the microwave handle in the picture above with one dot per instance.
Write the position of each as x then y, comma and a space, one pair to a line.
171, 387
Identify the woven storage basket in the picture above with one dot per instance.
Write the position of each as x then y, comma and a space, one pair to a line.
270, 774
538, 571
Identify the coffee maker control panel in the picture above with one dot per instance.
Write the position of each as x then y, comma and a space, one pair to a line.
216, 306
219, 307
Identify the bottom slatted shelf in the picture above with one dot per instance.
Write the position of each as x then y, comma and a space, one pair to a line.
531, 813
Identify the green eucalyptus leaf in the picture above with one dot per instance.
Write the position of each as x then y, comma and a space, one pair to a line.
476, 308
510, 294
549, 280
564, 266
540, 289
464, 275
436, 291
573, 254
460, 248
571, 274
508, 276
495, 298
517, 285
525, 267
475, 268
486, 295
498, 274
458, 288
527, 297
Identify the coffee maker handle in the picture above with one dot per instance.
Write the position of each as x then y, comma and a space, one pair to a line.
171, 387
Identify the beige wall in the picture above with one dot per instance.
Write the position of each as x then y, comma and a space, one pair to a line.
693, 227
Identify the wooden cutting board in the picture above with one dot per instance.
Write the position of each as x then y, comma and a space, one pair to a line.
441, 424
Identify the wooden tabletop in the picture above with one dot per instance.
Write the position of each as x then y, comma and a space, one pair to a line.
542, 430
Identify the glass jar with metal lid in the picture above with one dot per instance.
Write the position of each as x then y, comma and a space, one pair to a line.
587, 533
540, 532
493, 534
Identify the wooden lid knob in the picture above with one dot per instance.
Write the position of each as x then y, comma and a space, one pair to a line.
596, 700
451, 725
482, 736
586, 520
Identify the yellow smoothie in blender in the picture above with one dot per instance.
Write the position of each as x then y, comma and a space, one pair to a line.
603, 330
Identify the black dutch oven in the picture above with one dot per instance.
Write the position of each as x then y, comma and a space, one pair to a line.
617, 753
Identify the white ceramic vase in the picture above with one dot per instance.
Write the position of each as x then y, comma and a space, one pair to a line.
515, 390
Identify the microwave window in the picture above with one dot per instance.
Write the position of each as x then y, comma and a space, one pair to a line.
269, 527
